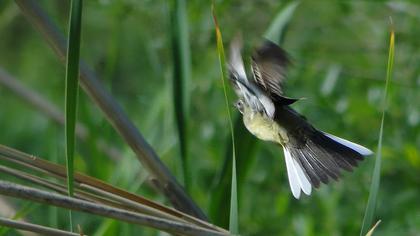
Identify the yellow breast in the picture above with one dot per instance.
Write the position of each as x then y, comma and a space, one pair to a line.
264, 128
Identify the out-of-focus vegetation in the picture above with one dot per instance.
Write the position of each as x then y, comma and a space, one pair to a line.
339, 50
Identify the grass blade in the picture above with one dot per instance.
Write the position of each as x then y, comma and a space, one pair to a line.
376, 177
245, 143
370, 233
35, 228
51, 111
233, 214
32, 194
84, 183
72, 86
181, 80
277, 28
114, 113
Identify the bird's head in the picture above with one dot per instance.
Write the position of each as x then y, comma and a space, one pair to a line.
240, 106
243, 107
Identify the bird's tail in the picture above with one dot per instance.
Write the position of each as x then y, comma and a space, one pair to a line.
321, 158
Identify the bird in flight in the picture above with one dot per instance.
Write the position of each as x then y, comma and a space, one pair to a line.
312, 156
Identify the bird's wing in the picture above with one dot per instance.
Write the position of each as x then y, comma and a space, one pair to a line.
269, 65
254, 96
236, 65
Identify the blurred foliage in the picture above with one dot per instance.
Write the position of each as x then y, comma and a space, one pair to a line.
339, 50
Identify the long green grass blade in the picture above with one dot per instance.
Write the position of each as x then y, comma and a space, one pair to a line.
181, 80
376, 177
72, 85
233, 215
234, 209
245, 143
277, 28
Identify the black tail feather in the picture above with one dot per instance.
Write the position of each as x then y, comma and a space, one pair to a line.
323, 158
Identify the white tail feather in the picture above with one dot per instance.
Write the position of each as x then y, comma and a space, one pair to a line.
303, 180
354, 146
293, 179
297, 178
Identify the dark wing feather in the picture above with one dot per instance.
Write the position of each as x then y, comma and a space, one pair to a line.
322, 158
269, 64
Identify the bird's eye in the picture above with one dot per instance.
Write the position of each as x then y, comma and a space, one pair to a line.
240, 106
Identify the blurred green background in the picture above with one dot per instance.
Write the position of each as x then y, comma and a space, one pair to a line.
339, 51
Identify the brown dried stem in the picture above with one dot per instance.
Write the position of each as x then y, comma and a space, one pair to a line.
23, 192
113, 112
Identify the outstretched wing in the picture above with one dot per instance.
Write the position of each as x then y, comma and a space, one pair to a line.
269, 65
256, 98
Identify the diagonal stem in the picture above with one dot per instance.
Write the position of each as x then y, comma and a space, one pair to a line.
23, 192
51, 111
90, 188
34, 228
166, 182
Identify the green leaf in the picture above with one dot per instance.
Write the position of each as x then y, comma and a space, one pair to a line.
181, 80
277, 28
245, 143
72, 85
233, 215
376, 177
